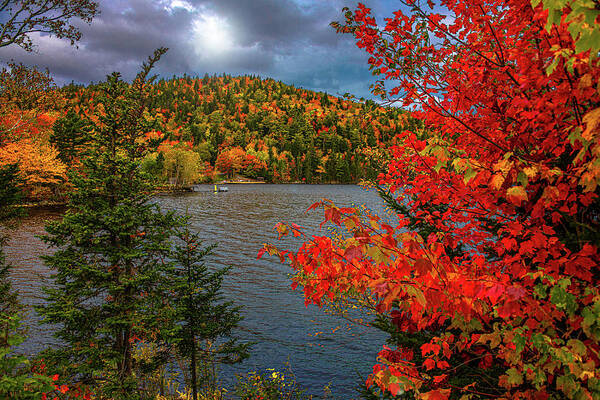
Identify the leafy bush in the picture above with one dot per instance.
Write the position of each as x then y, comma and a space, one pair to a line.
270, 385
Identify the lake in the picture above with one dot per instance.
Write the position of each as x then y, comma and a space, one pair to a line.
275, 317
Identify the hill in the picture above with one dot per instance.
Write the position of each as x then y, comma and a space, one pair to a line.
216, 127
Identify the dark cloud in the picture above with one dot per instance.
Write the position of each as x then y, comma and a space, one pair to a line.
276, 23
289, 40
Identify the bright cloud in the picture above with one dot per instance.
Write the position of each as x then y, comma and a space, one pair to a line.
172, 5
212, 35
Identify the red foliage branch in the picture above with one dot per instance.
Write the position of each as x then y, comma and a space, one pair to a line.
495, 255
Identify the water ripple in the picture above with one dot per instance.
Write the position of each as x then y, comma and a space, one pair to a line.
239, 222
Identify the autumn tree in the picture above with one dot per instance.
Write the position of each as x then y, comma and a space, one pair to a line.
181, 165
111, 249
21, 18
25, 88
231, 161
25, 93
40, 169
488, 283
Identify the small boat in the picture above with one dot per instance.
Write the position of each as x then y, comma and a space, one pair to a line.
221, 189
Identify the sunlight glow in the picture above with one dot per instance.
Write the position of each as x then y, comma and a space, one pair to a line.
212, 34
182, 4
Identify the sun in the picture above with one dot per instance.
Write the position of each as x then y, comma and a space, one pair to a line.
212, 34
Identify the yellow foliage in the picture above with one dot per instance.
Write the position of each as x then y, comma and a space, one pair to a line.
497, 181
182, 166
38, 163
589, 173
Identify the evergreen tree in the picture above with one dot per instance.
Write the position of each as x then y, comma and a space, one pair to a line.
330, 168
69, 134
201, 318
10, 194
111, 246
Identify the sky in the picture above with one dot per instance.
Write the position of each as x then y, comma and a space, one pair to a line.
288, 40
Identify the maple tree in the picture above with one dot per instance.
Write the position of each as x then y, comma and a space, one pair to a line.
488, 282
235, 160
230, 161
27, 100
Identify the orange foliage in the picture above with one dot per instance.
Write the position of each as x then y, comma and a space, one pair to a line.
19, 124
38, 165
235, 160
231, 161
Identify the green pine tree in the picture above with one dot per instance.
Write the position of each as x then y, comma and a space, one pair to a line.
69, 135
10, 194
111, 247
201, 319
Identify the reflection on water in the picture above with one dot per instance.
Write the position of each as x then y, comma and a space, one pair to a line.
239, 222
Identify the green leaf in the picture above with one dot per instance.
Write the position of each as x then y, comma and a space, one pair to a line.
514, 377
519, 342
553, 19
522, 179
577, 346
561, 298
550, 69
470, 173
575, 135
566, 384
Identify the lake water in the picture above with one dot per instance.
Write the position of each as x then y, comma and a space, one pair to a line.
275, 317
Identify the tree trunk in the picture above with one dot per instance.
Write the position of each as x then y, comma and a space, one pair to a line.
193, 371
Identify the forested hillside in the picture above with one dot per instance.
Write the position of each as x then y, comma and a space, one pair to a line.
219, 127
206, 130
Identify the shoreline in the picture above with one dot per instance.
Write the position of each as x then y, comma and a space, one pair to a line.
165, 191
235, 183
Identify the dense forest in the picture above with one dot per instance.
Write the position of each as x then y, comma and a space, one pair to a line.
211, 129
